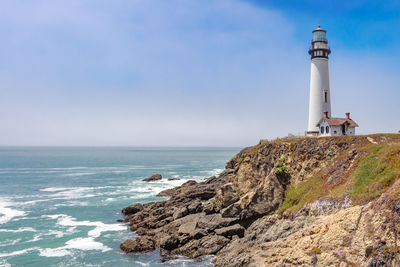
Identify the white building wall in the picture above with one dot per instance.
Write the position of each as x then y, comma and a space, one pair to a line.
319, 84
351, 131
324, 124
336, 131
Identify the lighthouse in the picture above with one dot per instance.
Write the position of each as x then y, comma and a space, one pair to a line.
320, 97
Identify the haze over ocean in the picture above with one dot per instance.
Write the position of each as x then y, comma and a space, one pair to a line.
59, 206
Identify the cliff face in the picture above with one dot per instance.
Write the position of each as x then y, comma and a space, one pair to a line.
303, 202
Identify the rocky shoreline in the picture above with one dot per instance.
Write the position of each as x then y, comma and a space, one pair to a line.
239, 217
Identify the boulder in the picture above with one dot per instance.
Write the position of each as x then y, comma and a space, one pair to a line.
195, 207
141, 231
215, 221
140, 244
226, 195
169, 242
173, 179
207, 245
232, 230
154, 177
179, 213
132, 209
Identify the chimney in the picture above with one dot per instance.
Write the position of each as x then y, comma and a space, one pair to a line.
326, 115
348, 115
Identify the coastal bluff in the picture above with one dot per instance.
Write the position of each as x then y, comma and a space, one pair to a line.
330, 201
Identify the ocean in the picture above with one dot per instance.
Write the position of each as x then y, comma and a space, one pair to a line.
59, 206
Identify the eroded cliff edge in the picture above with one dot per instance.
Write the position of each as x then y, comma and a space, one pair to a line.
288, 202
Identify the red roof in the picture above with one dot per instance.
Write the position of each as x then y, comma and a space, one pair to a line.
339, 121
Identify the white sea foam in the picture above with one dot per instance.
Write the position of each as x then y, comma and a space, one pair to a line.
4, 263
19, 230
78, 174
72, 193
215, 172
54, 252
55, 189
87, 243
35, 238
7, 212
18, 252
142, 263
74, 203
9, 242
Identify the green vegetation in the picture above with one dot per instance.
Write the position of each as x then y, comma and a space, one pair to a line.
307, 191
280, 167
377, 170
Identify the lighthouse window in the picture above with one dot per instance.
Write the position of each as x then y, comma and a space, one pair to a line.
322, 129
327, 129
326, 97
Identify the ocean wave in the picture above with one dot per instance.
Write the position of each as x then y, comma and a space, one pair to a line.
55, 189
4, 263
7, 212
9, 242
86, 243
71, 192
18, 252
78, 174
142, 263
19, 230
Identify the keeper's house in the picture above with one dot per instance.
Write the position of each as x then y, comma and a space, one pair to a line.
336, 126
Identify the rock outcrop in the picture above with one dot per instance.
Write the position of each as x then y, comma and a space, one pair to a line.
152, 178
333, 202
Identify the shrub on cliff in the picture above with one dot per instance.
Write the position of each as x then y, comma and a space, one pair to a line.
280, 167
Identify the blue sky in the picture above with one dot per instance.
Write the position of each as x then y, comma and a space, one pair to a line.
189, 72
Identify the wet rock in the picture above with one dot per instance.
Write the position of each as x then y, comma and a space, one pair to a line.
173, 179
140, 244
154, 177
141, 231
215, 221
232, 230
132, 209
207, 245
169, 242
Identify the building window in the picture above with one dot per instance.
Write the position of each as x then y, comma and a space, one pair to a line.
322, 129
335, 132
327, 129
326, 97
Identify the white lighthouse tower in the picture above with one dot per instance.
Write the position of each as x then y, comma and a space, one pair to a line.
320, 99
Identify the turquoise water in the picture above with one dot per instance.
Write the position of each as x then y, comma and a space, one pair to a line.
59, 206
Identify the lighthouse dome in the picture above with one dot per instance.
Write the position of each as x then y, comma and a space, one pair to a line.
319, 29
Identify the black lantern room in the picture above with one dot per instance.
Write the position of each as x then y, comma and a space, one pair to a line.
319, 44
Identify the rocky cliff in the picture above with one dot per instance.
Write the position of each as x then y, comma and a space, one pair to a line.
288, 202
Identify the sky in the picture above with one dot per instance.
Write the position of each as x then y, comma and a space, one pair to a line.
189, 72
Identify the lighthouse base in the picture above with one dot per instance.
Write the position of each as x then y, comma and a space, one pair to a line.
312, 133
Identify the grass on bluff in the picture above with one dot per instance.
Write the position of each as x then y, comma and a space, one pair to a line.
307, 191
378, 169
376, 172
